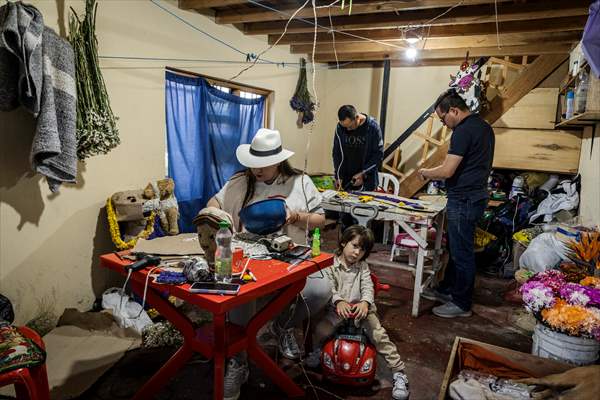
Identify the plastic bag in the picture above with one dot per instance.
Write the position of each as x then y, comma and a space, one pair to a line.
126, 312
544, 252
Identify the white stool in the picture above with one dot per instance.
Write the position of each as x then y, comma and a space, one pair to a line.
404, 244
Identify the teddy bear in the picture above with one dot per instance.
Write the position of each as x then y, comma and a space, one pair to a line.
160, 198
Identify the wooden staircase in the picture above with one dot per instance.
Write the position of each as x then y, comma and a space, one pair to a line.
435, 144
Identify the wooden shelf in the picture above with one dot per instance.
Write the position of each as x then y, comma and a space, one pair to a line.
570, 82
587, 118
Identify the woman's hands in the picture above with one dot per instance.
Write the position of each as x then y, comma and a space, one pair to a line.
302, 219
292, 217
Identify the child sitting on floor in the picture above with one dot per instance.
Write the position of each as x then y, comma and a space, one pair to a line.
353, 292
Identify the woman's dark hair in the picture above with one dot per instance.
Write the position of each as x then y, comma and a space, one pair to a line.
347, 111
450, 99
365, 239
285, 170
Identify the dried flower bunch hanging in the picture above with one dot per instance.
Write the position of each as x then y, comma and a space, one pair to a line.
301, 101
97, 131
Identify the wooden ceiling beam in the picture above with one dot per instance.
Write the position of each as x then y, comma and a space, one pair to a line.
509, 39
204, 4
401, 63
366, 7
459, 15
541, 25
533, 49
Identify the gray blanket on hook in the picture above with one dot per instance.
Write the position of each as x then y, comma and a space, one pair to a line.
42, 79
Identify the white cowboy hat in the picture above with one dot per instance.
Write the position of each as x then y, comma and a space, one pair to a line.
264, 151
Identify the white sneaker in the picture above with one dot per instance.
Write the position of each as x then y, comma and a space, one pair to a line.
400, 389
313, 360
286, 341
236, 375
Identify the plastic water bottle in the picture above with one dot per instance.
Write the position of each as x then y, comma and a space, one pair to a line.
581, 93
316, 243
570, 105
223, 253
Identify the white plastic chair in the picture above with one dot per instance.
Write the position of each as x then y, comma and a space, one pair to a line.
385, 180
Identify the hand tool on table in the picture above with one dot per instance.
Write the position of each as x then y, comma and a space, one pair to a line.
144, 262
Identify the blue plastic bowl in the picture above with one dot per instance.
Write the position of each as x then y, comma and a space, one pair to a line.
264, 217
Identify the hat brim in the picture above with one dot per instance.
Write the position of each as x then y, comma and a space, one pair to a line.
251, 161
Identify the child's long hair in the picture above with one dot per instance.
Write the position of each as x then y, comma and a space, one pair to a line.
366, 239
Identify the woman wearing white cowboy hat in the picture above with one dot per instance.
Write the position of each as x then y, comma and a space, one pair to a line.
269, 175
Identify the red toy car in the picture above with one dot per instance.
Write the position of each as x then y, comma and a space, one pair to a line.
348, 357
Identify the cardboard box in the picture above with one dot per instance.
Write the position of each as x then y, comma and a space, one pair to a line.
541, 366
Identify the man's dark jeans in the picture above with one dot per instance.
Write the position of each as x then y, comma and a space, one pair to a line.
463, 213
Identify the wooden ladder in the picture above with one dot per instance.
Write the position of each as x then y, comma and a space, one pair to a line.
435, 145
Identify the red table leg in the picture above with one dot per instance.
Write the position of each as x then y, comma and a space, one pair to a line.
178, 360
219, 355
164, 374
255, 352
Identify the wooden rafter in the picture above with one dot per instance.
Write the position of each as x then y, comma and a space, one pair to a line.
394, 54
509, 39
562, 24
205, 4
365, 7
459, 15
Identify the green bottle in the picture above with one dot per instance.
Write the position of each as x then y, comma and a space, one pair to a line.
316, 243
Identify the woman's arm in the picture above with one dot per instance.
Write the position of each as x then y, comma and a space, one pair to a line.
300, 218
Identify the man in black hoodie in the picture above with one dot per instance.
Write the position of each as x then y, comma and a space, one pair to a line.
357, 150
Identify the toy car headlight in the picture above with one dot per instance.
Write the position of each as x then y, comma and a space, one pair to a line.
367, 365
327, 361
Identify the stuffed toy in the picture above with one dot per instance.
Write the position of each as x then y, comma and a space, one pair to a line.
160, 198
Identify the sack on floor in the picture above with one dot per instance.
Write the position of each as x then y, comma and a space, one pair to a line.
127, 313
544, 252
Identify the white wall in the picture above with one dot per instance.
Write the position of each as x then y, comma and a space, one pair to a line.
589, 168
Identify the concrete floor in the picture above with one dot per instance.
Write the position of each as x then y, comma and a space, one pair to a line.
424, 343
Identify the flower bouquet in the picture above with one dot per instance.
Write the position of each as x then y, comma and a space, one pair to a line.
586, 251
566, 307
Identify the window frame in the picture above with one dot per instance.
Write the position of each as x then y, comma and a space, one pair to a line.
236, 89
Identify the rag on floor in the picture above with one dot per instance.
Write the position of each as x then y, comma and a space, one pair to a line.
37, 70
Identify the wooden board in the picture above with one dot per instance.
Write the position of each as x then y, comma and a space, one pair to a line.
589, 168
541, 366
537, 110
537, 150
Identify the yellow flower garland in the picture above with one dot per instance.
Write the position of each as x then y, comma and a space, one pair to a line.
115, 232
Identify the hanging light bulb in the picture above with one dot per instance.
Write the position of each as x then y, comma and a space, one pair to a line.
411, 53
412, 40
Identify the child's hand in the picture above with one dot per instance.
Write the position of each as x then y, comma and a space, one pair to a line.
343, 309
361, 310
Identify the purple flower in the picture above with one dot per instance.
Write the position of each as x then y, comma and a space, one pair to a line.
594, 295
575, 294
552, 278
536, 296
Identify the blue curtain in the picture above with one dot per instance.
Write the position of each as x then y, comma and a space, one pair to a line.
204, 127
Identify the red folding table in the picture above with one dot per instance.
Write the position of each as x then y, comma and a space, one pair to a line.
221, 339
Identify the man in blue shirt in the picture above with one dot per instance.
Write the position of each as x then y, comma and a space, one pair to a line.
466, 170
357, 150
